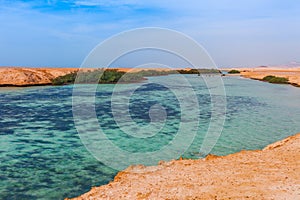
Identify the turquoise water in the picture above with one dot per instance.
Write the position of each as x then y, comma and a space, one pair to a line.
42, 156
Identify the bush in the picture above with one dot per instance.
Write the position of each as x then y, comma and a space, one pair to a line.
234, 71
198, 71
66, 79
99, 76
114, 75
275, 79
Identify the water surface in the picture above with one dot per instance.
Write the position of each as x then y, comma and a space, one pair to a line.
42, 156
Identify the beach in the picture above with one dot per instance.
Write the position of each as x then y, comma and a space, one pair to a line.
271, 173
258, 73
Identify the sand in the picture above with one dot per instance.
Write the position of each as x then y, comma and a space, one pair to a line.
293, 74
20, 76
271, 173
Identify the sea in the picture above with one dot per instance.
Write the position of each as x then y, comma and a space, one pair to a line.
44, 153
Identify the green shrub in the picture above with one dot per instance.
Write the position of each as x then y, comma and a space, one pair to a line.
66, 79
199, 71
100, 76
114, 75
234, 71
275, 79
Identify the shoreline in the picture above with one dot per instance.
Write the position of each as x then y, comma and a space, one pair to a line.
258, 79
270, 173
289, 83
293, 75
258, 73
27, 77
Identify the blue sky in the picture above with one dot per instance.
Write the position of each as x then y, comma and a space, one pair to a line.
235, 33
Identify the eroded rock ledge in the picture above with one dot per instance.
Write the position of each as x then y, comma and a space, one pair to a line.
271, 173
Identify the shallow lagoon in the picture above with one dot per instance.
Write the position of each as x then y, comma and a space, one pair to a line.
43, 157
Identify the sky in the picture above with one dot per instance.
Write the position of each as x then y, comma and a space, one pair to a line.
61, 33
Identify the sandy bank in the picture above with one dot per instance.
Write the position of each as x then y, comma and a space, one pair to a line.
271, 173
19, 76
293, 74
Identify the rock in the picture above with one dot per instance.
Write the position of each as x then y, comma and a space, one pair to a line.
272, 173
18, 76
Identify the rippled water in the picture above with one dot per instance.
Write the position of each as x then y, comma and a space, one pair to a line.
42, 155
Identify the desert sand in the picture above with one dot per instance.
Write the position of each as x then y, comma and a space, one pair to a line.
20, 76
271, 173
293, 74
25, 76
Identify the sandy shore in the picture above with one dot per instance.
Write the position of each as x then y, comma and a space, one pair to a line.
271, 173
293, 74
20, 76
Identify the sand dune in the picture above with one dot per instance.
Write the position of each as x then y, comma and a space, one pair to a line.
271, 173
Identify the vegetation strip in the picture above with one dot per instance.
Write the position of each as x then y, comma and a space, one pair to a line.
275, 79
103, 76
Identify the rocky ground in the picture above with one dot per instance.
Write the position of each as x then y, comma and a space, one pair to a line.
22, 76
271, 173
19, 76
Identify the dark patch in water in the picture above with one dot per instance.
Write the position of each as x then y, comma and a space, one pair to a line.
47, 152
